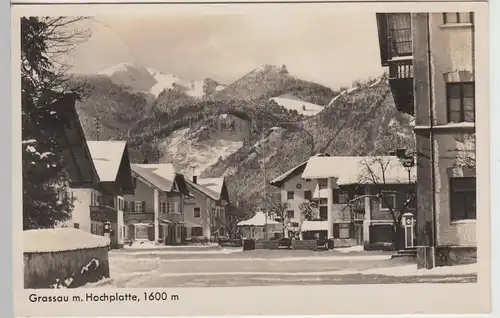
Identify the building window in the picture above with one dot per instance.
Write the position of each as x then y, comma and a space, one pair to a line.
290, 214
343, 230
401, 39
458, 17
76, 225
197, 213
170, 207
94, 199
340, 196
308, 195
463, 198
323, 201
460, 102
323, 213
289, 195
322, 184
308, 180
196, 231
139, 206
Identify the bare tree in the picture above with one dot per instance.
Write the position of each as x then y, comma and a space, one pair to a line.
307, 213
280, 211
375, 172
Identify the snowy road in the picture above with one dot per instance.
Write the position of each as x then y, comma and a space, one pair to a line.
237, 268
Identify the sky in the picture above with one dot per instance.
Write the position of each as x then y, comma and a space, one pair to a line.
333, 49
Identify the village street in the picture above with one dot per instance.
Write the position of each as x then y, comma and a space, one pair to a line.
204, 267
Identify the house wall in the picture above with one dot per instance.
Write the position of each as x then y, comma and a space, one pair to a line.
199, 201
291, 185
144, 192
81, 210
451, 49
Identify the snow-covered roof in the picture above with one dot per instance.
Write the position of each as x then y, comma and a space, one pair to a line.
314, 226
277, 182
61, 239
161, 178
107, 156
213, 186
352, 170
206, 191
259, 219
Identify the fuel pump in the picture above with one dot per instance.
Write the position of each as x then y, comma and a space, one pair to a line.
107, 231
408, 223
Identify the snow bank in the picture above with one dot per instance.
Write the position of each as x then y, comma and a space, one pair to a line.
358, 248
61, 239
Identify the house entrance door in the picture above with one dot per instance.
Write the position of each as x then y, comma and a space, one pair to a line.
358, 232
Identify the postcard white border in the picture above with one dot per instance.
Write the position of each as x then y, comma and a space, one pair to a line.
296, 300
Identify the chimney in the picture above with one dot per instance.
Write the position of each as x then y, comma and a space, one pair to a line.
195, 179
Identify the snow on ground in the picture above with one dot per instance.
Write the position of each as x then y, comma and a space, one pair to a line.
152, 245
376, 82
411, 270
298, 105
180, 252
167, 81
61, 239
350, 249
121, 67
199, 155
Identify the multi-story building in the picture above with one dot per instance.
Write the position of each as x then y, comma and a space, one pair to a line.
205, 210
431, 61
294, 191
106, 203
155, 212
384, 186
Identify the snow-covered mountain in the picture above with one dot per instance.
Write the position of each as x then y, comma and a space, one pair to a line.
150, 80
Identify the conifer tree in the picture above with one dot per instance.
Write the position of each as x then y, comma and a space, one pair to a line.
44, 43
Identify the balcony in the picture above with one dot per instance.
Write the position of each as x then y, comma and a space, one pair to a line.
396, 50
144, 217
401, 84
103, 213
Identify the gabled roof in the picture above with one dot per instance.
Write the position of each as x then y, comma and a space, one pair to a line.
353, 170
72, 142
214, 188
107, 156
149, 175
278, 182
162, 176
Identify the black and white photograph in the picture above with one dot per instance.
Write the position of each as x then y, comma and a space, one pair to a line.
251, 148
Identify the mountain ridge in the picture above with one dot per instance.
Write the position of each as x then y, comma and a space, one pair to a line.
223, 133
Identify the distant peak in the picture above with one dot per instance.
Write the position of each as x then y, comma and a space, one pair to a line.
121, 67
272, 68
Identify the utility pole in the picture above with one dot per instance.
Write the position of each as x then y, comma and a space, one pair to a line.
265, 183
97, 127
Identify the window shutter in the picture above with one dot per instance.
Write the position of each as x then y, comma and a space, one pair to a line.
132, 206
351, 230
335, 196
336, 230
143, 206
